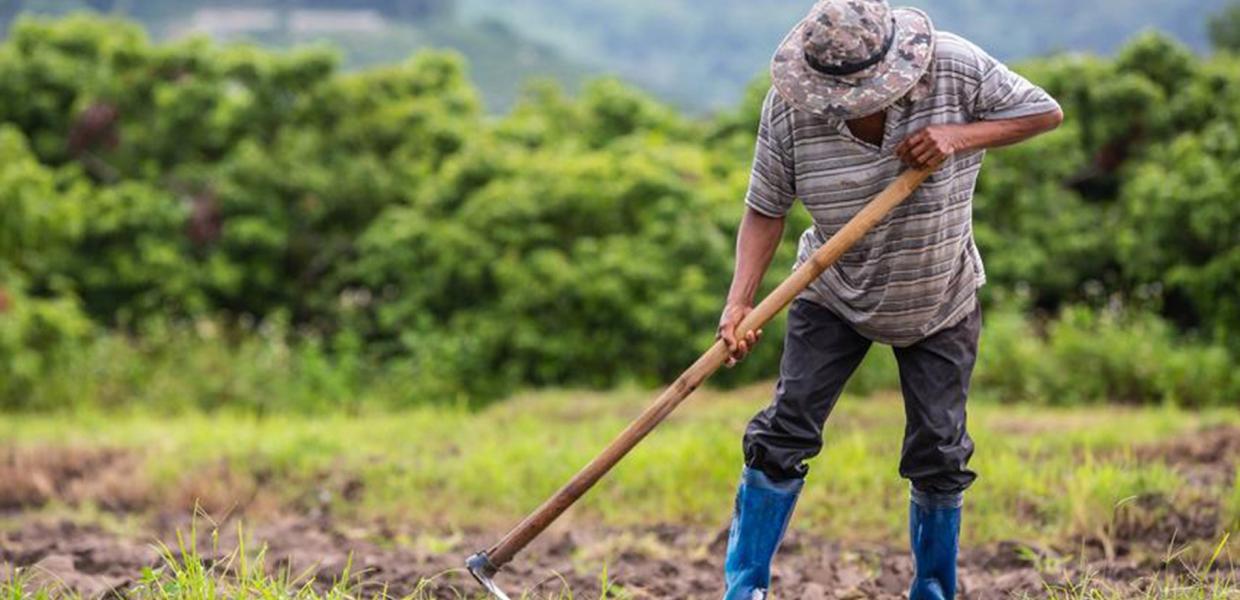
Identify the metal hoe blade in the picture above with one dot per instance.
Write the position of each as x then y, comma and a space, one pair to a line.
483, 570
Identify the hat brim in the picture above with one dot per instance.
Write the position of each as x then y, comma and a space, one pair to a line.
869, 92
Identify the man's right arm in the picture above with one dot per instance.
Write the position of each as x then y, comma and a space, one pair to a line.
772, 190
756, 243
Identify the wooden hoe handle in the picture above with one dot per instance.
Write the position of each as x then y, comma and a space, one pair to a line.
528, 529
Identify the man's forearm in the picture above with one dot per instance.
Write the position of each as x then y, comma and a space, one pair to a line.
984, 135
756, 243
931, 146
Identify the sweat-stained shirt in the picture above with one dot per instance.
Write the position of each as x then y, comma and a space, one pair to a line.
917, 272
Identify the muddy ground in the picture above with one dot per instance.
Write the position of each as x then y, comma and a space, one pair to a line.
654, 562
658, 562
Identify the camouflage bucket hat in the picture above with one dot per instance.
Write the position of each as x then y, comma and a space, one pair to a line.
853, 58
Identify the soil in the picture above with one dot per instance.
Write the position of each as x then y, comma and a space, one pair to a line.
1205, 458
656, 562
652, 562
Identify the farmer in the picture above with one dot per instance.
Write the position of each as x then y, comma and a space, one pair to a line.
860, 92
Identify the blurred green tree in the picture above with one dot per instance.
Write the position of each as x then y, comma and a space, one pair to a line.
574, 241
1224, 28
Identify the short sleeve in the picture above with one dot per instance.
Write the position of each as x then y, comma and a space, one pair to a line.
1003, 94
772, 182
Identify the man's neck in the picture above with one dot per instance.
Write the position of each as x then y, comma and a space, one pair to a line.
869, 129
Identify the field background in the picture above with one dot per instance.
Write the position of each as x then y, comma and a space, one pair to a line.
319, 321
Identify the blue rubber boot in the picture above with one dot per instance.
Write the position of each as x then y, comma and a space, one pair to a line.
763, 509
934, 528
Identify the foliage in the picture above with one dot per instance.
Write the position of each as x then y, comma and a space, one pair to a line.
1181, 230
38, 216
1088, 356
379, 222
564, 261
207, 365
41, 210
59, 365
1132, 196
1224, 28
37, 336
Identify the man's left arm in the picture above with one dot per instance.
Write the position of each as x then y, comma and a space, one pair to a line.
935, 144
1004, 108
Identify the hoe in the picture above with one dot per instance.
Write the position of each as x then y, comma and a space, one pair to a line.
485, 565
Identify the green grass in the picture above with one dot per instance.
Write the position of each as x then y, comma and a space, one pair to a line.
1168, 589
185, 573
1046, 473
1232, 507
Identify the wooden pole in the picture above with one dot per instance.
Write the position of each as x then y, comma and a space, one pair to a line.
705, 366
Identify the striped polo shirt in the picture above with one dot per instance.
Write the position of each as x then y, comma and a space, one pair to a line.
917, 272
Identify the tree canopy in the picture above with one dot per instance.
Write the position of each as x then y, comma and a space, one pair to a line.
579, 240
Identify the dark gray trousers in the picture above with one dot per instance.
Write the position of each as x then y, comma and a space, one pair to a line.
821, 351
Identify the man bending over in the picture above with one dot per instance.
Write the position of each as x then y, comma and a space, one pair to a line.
862, 91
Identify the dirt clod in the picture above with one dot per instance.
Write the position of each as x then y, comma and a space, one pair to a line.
109, 478
68, 557
1205, 458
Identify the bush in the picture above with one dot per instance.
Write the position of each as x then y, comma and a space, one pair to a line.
57, 362
563, 267
38, 336
391, 229
210, 179
212, 365
1180, 229
1088, 356
41, 210
1083, 356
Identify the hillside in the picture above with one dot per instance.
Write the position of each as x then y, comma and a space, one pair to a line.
702, 58
365, 32
501, 61
698, 59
